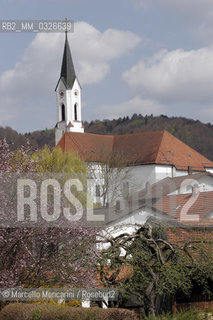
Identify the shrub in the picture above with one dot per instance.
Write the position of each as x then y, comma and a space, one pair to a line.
25, 311
17, 311
191, 314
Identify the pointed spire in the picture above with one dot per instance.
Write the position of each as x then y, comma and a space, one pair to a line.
67, 68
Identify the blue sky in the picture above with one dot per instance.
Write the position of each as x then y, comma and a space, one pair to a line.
143, 56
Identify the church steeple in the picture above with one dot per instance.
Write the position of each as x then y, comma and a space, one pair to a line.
68, 92
67, 68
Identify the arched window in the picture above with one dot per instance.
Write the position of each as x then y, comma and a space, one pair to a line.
76, 111
62, 112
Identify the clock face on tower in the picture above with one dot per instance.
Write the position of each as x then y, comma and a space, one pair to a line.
61, 94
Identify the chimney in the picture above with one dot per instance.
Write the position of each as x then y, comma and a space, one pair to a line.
189, 170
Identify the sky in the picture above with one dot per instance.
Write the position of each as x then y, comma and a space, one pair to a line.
130, 56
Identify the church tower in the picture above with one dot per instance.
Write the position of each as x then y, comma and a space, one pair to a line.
68, 96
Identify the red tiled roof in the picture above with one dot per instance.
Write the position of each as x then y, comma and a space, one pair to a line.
155, 147
91, 147
175, 151
186, 209
169, 185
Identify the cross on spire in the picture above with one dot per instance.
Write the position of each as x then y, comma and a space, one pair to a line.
66, 20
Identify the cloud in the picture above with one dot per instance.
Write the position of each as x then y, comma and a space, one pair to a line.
174, 76
134, 105
95, 50
29, 87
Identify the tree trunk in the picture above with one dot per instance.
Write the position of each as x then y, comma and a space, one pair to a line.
152, 310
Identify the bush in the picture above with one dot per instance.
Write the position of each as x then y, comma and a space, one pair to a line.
26, 311
18, 311
191, 314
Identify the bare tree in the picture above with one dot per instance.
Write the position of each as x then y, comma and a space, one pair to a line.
111, 175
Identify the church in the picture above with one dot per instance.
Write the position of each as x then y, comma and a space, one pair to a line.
150, 156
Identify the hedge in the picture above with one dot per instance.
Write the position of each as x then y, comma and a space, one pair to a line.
26, 311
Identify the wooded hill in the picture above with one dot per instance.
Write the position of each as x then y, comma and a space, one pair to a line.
194, 133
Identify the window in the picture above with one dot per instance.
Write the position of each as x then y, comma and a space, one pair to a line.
63, 112
76, 111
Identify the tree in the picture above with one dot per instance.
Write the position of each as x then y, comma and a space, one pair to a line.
57, 161
145, 264
43, 255
111, 173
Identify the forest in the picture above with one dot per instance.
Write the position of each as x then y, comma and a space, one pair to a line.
196, 134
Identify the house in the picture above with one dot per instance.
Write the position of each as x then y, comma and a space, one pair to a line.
185, 201
178, 185
195, 209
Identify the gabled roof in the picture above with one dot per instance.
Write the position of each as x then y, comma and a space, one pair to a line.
198, 213
169, 185
67, 69
154, 147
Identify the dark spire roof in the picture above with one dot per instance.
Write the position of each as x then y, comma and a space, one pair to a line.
67, 69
